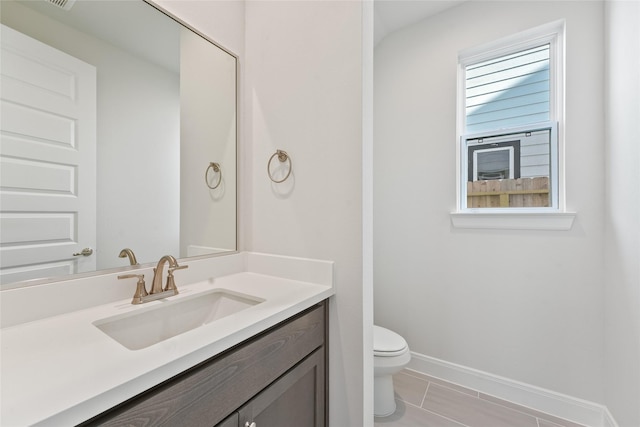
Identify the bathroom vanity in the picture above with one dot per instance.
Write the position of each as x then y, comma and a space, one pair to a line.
244, 341
274, 379
263, 359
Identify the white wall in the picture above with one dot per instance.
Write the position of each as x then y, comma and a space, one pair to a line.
301, 91
622, 242
303, 95
368, 40
526, 305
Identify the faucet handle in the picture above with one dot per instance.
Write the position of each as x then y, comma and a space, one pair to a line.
141, 288
171, 283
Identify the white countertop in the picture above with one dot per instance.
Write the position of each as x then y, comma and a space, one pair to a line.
63, 370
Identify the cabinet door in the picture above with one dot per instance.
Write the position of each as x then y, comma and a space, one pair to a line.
297, 399
231, 421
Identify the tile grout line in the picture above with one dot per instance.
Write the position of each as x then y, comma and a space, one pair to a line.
444, 383
474, 393
424, 396
440, 415
516, 407
446, 418
490, 403
538, 414
509, 409
435, 413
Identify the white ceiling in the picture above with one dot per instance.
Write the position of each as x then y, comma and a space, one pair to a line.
392, 15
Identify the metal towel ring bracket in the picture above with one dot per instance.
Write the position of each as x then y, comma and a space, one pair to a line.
216, 168
282, 157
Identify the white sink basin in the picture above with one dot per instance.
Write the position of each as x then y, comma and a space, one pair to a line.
148, 326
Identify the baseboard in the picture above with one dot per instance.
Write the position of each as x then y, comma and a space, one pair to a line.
553, 403
608, 420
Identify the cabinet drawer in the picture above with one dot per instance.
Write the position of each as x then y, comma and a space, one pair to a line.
205, 394
295, 399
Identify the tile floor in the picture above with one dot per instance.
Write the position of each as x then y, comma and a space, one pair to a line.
424, 401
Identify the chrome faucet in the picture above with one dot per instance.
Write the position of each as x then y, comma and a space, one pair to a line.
156, 291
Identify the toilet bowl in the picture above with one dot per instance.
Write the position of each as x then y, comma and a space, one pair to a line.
390, 355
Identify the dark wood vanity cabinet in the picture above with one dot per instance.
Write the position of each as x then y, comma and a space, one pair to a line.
275, 379
295, 399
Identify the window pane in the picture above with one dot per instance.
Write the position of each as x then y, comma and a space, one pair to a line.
492, 164
511, 90
509, 170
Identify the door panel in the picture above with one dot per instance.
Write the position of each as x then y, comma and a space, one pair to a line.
47, 160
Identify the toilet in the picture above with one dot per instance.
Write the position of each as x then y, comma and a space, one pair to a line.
390, 355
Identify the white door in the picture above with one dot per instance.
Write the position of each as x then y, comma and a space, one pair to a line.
47, 160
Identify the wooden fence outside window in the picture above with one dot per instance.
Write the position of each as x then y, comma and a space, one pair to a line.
509, 193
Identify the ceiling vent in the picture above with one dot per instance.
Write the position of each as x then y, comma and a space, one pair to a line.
63, 4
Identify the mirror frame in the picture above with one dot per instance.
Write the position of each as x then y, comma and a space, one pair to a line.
68, 277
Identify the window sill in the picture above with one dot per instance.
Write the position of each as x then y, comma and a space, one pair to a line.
559, 221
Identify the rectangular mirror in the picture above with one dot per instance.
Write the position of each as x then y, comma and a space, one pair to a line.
118, 130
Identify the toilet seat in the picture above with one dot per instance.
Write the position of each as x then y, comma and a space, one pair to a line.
387, 343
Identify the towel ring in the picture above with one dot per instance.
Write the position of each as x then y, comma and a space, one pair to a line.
282, 157
216, 168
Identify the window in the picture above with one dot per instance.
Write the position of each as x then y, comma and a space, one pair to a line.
493, 160
510, 107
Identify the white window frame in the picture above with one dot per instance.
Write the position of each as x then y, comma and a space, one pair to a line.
555, 216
